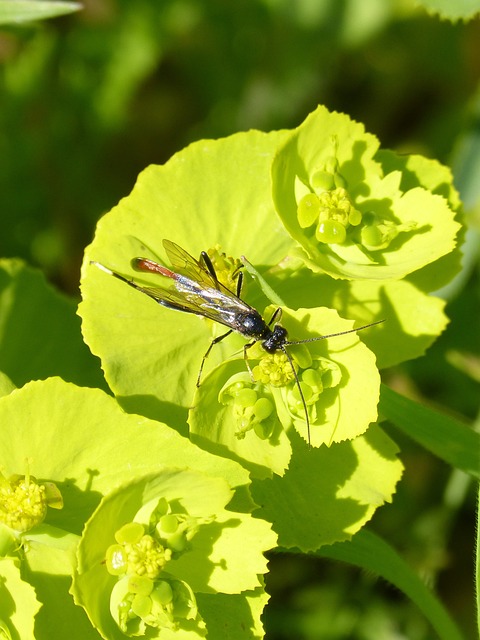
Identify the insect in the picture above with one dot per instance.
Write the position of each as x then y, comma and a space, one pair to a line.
196, 289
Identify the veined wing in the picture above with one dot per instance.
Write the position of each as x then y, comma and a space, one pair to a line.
193, 289
197, 287
207, 302
188, 275
192, 269
188, 266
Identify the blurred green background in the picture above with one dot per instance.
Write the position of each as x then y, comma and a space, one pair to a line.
89, 100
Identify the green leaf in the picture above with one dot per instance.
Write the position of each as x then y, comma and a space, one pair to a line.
49, 564
343, 412
211, 563
418, 171
18, 11
420, 226
466, 164
213, 192
80, 439
368, 551
477, 563
406, 334
458, 10
16, 621
444, 436
343, 409
213, 426
6, 385
39, 331
328, 494
236, 617
236, 559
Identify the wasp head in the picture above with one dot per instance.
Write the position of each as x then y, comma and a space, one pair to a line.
276, 340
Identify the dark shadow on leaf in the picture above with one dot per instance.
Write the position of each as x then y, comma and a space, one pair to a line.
53, 592
236, 619
8, 609
78, 506
303, 505
196, 566
151, 407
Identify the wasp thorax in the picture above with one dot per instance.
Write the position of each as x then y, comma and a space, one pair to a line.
253, 325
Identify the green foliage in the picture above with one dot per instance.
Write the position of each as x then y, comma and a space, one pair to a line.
369, 552
231, 416
347, 481
13, 588
133, 502
464, 9
206, 561
25, 10
392, 233
452, 441
81, 440
54, 346
335, 413
163, 207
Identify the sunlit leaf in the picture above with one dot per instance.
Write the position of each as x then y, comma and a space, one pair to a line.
18, 11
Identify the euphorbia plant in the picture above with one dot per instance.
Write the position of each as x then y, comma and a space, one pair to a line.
164, 535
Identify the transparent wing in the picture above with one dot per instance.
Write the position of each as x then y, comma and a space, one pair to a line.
192, 290
188, 266
208, 302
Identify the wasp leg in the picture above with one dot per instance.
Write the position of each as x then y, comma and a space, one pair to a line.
237, 274
239, 283
214, 341
245, 357
277, 314
205, 258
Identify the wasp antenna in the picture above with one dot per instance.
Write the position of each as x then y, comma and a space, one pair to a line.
297, 381
334, 335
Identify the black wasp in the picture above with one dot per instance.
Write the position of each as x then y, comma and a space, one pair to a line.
196, 289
